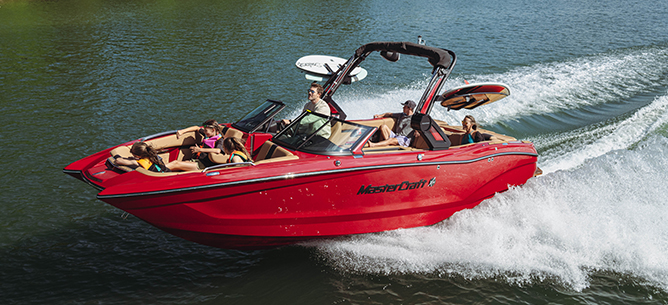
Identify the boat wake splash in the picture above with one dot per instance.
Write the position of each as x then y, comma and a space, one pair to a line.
606, 216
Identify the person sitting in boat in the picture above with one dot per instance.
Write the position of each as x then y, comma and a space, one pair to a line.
143, 155
236, 150
471, 133
212, 143
403, 133
316, 105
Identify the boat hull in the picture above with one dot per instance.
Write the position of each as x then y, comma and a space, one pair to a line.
265, 206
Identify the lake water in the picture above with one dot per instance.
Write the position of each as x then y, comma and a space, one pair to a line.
589, 86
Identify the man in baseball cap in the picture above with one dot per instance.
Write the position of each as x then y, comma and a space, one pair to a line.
410, 104
402, 133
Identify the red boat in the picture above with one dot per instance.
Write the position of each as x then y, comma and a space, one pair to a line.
303, 186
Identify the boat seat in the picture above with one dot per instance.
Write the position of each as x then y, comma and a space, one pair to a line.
269, 151
229, 132
455, 138
124, 152
336, 135
420, 143
377, 122
187, 139
219, 158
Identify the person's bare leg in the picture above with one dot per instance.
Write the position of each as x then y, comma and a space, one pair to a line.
388, 142
178, 166
385, 132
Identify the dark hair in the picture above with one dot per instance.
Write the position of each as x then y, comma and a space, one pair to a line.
318, 88
213, 124
143, 150
231, 144
474, 124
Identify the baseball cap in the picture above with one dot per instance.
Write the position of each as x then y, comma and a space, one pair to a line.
410, 104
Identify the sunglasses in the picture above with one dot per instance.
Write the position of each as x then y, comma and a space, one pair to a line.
311, 91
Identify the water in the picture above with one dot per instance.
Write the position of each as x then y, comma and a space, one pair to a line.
589, 86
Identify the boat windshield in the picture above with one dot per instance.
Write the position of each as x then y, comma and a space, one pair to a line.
260, 117
318, 134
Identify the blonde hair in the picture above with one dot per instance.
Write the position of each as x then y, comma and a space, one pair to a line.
474, 124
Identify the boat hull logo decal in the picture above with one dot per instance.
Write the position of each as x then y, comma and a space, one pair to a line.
388, 188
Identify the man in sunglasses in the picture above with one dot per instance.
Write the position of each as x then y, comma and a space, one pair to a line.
316, 105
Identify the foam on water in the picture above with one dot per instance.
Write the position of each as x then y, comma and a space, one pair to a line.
609, 215
574, 147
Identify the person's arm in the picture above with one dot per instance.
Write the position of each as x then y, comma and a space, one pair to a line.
384, 115
478, 137
195, 149
126, 161
181, 132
